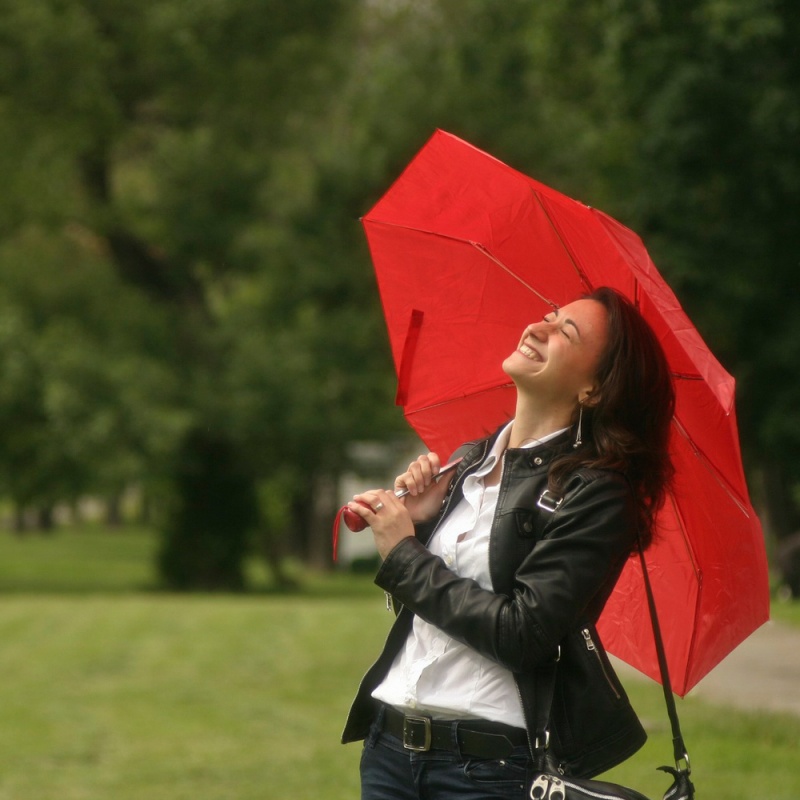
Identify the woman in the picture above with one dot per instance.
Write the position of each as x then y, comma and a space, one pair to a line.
510, 561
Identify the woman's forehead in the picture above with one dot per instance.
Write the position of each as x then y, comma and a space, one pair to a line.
589, 315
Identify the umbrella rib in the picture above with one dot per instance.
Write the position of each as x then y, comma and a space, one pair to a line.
676, 510
570, 256
686, 376
480, 248
723, 483
686, 672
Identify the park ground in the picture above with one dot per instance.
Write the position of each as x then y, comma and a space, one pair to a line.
112, 690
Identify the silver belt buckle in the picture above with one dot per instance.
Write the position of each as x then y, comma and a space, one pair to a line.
415, 728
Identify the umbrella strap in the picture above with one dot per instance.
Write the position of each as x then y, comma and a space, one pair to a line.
678, 745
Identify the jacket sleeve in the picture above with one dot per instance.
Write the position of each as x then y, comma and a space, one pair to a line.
572, 567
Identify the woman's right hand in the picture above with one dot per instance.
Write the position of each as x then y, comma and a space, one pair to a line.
425, 493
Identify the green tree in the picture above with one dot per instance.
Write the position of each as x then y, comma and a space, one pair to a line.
203, 167
150, 134
716, 87
84, 408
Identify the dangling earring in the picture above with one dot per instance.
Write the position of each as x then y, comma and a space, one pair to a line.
578, 440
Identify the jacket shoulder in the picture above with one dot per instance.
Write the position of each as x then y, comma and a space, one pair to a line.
589, 489
596, 475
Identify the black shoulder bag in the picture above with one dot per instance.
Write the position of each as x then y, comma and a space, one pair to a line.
549, 784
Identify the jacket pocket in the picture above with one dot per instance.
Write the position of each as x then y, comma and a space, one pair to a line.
603, 663
527, 524
594, 726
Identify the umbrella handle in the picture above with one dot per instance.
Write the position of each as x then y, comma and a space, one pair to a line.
352, 520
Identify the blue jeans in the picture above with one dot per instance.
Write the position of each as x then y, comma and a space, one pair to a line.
390, 772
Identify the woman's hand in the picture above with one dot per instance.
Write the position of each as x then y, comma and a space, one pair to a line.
386, 514
392, 518
425, 493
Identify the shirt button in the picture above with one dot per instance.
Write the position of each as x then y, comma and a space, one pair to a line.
538, 461
448, 560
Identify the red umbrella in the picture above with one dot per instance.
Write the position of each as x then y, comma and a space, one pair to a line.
468, 251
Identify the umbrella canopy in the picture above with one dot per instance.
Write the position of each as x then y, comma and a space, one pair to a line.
467, 252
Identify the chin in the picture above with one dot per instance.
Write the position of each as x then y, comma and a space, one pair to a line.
516, 365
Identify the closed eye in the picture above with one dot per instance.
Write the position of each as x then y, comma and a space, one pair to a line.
549, 318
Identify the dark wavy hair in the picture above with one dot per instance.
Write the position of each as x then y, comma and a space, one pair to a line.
626, 424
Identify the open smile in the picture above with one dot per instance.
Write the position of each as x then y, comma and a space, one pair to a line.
529, 352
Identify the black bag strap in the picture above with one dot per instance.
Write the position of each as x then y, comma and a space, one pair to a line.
546, 673
678, 745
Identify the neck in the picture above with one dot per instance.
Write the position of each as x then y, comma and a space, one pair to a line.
534, 420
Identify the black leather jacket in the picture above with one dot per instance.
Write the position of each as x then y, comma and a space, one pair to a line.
551, 574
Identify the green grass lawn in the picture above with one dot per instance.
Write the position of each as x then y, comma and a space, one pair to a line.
117, 697
116, 694
78, 560
787, 611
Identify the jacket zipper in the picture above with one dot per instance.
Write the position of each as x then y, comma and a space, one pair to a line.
592, 648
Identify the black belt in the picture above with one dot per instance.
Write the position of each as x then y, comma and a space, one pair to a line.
475, 738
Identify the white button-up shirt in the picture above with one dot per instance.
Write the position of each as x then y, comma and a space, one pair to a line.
434, 674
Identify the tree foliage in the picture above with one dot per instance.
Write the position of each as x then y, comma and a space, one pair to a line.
717, 87
183, 270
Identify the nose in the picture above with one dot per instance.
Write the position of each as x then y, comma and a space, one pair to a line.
541, 330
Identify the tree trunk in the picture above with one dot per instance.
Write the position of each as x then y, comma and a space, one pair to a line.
215, 509
45, 521
320, 521
273, 551
114, 511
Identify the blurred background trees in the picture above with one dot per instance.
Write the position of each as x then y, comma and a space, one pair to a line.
187, 304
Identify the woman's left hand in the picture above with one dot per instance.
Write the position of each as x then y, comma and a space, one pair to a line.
386, 514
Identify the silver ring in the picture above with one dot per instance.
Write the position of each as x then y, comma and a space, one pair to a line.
378, 507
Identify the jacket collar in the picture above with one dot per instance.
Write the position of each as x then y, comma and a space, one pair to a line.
540, 456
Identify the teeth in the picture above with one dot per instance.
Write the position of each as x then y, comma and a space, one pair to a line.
528, 353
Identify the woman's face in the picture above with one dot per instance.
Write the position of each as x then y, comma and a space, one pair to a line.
558, 357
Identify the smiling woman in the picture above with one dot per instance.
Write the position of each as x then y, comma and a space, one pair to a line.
451, 702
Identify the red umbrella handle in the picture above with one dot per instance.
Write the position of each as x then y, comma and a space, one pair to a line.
352, 520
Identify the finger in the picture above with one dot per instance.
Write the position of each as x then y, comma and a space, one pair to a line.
435, 462
417, 477
427, 468
365, 501
386, 498
360, 507
406, 482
